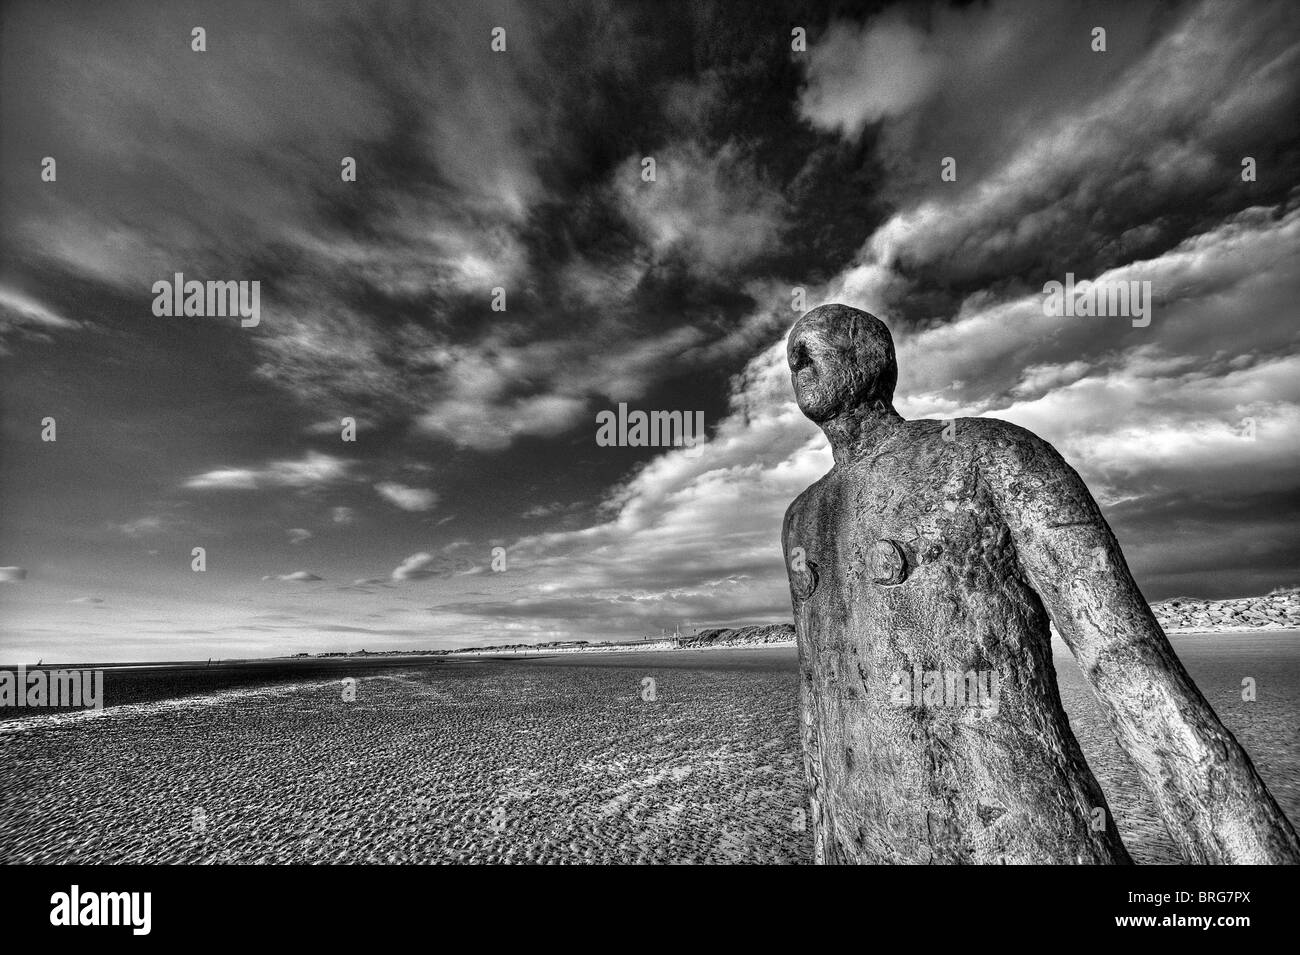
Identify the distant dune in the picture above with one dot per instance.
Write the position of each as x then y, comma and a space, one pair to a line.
742, 637
1278, 610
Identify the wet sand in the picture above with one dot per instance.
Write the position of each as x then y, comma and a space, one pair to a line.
555, 759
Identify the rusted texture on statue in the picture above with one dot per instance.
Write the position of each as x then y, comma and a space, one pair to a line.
924, 569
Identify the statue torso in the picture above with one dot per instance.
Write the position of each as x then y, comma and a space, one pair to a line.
926, 671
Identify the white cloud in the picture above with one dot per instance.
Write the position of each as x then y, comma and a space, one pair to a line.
711, 513
141, 526
313, 470
24, 317
414, 567
491, 426
407, 498
1031, 175
1139, 411
19, 309
424, 565
712, 208
298, 576
858, 76
550, 509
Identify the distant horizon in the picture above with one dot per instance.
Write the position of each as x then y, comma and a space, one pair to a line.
623, 641
423, 651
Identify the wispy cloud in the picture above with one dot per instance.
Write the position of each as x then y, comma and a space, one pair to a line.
407, 498
298, 576
23, 316
314, 470
423, 566
17, 309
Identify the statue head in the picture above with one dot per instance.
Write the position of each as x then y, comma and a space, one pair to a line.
841, 358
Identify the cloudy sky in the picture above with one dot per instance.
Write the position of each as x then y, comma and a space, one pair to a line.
521, 169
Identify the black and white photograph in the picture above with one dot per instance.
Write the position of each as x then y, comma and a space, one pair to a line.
596, 432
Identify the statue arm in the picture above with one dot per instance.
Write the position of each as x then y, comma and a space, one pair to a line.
801, 574
1213, 802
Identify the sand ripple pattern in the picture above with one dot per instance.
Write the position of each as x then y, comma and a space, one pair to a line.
520, 761
478, 762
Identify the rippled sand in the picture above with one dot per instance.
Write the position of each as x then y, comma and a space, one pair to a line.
515, 761
473, 762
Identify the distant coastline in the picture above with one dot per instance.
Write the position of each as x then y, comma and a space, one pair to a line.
1179, 615
1277, 611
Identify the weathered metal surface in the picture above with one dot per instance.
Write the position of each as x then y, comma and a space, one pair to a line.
924, 569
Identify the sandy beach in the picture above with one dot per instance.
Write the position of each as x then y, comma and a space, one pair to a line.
557, 759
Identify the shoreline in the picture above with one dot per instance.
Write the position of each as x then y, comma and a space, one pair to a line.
12, 721
661, 647
655, 646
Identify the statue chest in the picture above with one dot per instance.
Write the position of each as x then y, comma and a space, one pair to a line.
915, 555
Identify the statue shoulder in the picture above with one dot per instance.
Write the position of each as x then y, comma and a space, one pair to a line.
807, 497
1002, 444
1021, 466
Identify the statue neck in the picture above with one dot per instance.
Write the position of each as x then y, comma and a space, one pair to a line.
858, 430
